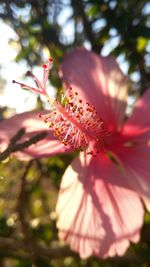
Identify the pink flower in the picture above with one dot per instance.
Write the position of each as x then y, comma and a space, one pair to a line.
99, 206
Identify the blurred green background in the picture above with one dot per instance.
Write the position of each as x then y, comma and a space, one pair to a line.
28, 190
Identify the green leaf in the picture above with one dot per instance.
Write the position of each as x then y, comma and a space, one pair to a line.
141, 44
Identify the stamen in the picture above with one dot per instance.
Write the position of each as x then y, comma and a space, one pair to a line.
75, 124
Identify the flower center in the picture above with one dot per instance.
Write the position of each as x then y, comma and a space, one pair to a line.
75, 123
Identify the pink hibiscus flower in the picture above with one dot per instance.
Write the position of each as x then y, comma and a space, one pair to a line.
99, 206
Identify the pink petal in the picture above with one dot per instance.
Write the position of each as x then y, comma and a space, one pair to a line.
33, 125
100, 82
135, 149
97, 213
138, 125
135, 160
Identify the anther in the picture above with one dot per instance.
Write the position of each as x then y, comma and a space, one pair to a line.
40, 115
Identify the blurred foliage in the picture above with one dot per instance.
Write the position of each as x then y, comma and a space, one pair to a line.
121, 28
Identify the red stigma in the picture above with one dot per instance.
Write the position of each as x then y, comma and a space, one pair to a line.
28, 73
50, 59
44, 66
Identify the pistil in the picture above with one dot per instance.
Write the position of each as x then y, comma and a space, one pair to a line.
75, 123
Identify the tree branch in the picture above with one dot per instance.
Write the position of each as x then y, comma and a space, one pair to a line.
79, 11
13, 147
21, 207
16, 246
